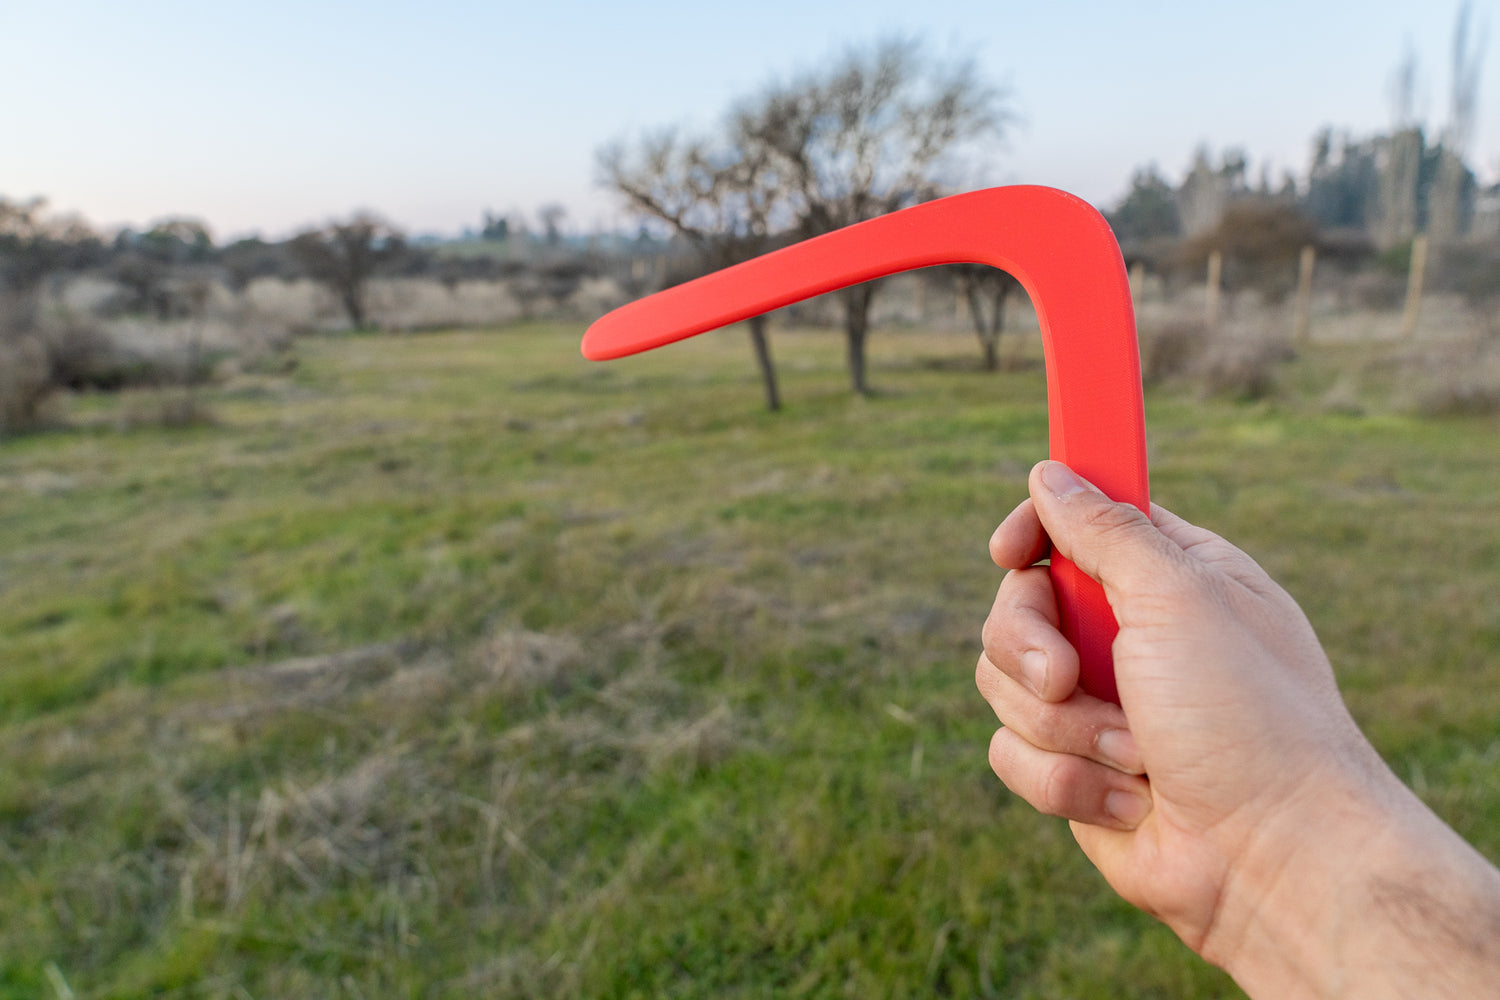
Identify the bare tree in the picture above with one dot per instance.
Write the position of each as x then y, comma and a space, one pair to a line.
34, 247
878, 130
723, 199
986, 290
1453, 186
551, 216
1208, 190
1260, 241
1403, 90
35, 361
343, 256
157, 266
245, 260
36, 250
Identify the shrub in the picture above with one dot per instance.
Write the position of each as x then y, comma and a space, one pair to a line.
44, 351
1261, 242
79, 353
1172, 350
25, 381
1244, 368
1220, 365
1457, 380
1379, 290
1472, 270
173, 408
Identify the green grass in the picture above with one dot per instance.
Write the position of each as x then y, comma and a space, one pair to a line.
453, 665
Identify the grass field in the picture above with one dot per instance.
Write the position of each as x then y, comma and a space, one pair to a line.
452, 665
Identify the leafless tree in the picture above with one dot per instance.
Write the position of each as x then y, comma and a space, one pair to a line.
1209, 189
343, 256
551, 216
1260, 240
878, 130
1454, 182
986, 290
157, 266
1402, 90
37, 249
721, 197
34, 246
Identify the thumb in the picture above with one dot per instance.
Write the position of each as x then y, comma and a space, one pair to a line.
1114, 543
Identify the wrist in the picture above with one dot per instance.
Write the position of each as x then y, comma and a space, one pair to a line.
1361, 892
1295, 905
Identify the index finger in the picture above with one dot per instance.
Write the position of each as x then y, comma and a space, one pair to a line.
1020, 540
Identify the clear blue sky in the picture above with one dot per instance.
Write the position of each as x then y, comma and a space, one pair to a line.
271, 115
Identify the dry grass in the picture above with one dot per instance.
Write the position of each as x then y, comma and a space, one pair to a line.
25, 382
454, 666
1239, 364
1457, 378
1172, 350
1243, 368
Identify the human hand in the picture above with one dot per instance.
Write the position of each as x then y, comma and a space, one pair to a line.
1233, 749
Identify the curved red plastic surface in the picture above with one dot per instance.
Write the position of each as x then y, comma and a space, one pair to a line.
1063, 253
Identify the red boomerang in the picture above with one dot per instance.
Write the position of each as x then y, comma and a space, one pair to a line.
1063, 253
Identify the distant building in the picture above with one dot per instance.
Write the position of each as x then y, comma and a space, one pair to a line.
1486, 224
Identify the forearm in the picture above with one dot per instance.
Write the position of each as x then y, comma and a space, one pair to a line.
1377, 898
1277, 844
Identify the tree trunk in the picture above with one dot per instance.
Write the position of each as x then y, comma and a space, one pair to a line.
981, 328
354, 305
1303, 310
1215, 282
988, 330
763, 357
856, 325
1414, 281
998, 297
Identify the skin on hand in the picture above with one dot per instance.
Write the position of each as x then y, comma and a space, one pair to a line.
1260, 783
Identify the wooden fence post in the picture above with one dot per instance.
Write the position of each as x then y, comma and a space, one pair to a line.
1414, 280
1304, 295
1215, 272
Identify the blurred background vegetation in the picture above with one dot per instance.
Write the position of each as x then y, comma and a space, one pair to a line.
1376, 224
361, 640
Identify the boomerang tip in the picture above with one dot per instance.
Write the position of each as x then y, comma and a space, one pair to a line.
639, 326
600, 343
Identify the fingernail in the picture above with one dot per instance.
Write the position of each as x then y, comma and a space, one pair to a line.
1034, 669
1127, 808
1062, 481
1118, 747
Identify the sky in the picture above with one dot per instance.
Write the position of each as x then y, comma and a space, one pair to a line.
272, 116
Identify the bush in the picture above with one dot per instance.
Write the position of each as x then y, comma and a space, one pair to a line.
79, 353
1472, 270
45, 351
1171, 351
1243, 368
1379, 290
1461, 380
173, 408
1261, 242
25, 381
1220, 365
1464, 396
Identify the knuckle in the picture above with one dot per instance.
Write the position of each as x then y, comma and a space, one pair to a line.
1001, 643
1001, 755
994, 631
1110, 519
1055, 787
1054, 720
1008, 617
984, 672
